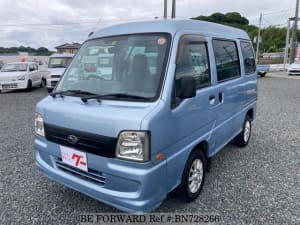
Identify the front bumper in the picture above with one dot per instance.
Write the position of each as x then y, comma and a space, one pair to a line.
128, 186
13, 85
293, 72
51, 82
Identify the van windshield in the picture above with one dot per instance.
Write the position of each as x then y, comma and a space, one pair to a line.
59, 62
129, 65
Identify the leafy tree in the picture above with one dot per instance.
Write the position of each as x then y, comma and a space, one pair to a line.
32, 51
234, 18
273, 38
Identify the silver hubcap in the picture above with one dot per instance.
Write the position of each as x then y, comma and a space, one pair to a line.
247, 130
195, 175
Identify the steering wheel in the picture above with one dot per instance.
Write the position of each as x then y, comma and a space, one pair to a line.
94, 77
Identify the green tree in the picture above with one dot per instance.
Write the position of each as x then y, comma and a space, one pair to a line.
32, 51
273, 38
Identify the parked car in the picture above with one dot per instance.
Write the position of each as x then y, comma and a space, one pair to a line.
43, 68
20, 75
1, 64
148, 128
262, 70
56, 67
294, 68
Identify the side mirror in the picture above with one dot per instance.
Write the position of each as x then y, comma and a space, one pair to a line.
186, 87
31, 68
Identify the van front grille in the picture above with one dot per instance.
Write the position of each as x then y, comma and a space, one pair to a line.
55, 76
91, 176
53, 83
90, 143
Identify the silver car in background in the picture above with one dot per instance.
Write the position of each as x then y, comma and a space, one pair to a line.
20, 75
294, 68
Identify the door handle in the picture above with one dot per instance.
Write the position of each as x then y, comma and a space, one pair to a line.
220, 96
212, 99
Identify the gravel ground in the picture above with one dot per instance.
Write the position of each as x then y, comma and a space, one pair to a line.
259, 184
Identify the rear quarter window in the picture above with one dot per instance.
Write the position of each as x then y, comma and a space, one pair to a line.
248, 57
227, 60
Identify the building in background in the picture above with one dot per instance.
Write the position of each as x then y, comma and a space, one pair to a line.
68, 48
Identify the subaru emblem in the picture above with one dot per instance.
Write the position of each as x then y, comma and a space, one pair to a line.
72, 139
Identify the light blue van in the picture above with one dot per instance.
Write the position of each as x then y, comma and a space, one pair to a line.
159, 100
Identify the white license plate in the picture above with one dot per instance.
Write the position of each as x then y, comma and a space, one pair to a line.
74, 158
9, 86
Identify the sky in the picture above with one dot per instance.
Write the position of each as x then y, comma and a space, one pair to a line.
50, 23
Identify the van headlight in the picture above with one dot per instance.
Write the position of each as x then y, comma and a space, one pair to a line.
134, 145
39, 125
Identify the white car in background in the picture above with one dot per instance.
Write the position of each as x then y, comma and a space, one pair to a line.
56, 67
20, 75
294, 68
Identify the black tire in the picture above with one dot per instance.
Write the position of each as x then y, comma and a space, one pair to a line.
0, 91
184, 191
49, 90
242, 139
263, 74
42, 83
29, 85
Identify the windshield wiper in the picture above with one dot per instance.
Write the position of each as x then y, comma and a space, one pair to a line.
62, 93
114, 95
125, 95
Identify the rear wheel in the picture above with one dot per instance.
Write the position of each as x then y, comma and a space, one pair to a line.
193, 177
263, 74
242, 139
49, 90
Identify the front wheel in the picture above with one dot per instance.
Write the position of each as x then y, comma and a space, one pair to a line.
29, 85
193, 177
242, 139
42, 83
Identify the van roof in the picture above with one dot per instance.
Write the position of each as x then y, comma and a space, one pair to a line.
172, 26
62, 55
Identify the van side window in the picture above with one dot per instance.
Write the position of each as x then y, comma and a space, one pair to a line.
248, 57
227, 60
194, 62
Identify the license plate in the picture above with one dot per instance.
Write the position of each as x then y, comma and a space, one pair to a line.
74, 158
9, 86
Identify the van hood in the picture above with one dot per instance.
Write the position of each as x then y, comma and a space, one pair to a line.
7, 76
56, 71
107, 118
